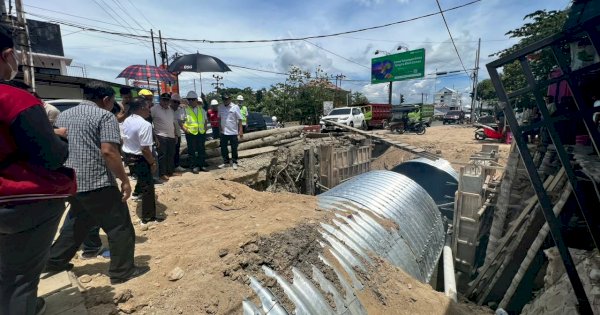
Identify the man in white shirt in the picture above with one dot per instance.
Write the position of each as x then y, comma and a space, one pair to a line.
137, 148
230, 128
163, 118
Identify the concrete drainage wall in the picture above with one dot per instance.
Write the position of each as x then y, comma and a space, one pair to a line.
379, 213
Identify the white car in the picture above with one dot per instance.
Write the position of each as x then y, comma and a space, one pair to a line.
350, 116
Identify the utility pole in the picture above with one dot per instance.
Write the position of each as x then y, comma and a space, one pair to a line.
339, 78
475, 80
153, 48
162, 52
25, 45
154, 55
217, 85
166, 55
390, 93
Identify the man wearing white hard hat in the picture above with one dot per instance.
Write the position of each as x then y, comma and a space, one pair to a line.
194, 125
244, 111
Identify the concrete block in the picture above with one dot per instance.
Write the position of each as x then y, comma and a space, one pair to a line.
65, 302
53, 284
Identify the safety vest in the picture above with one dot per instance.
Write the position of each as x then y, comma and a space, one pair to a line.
194, 124
244, 111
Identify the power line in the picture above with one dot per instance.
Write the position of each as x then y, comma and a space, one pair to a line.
451, 38
76, 16
287, 39
259, 70
424, 42
331, 52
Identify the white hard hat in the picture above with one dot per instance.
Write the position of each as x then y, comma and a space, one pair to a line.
214, 102
274, 118
240, 98
191, 95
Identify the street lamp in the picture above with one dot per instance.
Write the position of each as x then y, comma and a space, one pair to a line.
379, 51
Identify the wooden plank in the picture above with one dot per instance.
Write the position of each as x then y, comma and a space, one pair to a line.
498, 268
254, 152
516, 224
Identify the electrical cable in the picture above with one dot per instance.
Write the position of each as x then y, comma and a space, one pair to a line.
287, 39
451, 38
331, 52
73, 15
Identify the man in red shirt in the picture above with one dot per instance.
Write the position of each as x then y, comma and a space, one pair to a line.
33, 186
213, 117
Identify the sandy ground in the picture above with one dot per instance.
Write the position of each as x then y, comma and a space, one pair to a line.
454, 143
218, 232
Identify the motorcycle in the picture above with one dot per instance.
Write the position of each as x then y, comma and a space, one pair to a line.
416, 127
484, 132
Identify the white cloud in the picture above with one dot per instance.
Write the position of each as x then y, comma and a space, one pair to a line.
301, 54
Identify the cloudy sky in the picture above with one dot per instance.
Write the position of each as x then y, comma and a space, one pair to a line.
104, 55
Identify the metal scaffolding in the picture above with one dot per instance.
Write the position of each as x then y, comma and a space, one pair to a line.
587, 30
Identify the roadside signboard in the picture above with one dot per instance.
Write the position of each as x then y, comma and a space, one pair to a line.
398, 67
327, 107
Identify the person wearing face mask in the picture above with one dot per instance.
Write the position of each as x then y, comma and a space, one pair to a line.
94, 139
33, 186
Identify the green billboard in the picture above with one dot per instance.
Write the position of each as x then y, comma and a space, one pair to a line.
403, 66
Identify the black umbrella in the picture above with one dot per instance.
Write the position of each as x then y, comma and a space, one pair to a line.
198, 63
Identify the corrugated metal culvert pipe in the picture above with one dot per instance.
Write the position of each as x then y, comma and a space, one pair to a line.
391, 217
437, 177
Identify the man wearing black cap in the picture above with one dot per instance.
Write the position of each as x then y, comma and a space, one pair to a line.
162, 119
230, 128
33, 188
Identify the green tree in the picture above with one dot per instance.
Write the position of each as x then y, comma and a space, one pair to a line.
486, 91
540, 25
359, 99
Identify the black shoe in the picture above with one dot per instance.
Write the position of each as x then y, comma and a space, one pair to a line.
137, 271
196, 170
40, 306
203, 169
56, 269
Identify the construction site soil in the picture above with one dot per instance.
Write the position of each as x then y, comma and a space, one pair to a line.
217, 232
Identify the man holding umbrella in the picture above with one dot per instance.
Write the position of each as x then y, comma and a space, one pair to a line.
230, 127
194, 125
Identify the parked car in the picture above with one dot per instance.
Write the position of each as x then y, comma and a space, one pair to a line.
486, 119
269, 121
454, 116
350, 116
64, 104
256, 122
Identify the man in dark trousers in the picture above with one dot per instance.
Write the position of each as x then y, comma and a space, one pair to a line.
94, 138
28, 223
162, 119
231, 128
137, 149
194, 125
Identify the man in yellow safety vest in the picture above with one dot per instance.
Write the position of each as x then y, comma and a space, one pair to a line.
243, 110
194, 125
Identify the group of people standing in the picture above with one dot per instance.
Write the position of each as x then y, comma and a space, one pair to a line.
77, 159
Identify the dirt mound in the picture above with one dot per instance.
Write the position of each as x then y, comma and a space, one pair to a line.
205, 218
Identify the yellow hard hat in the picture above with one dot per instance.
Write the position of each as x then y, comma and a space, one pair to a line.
145, 92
